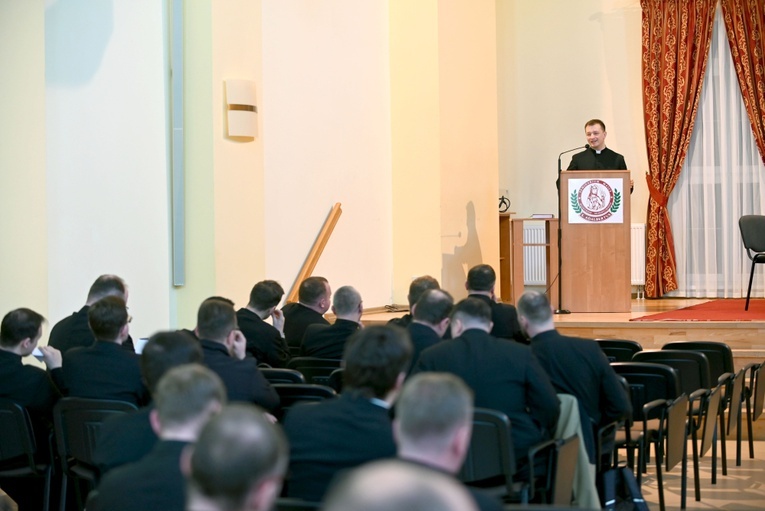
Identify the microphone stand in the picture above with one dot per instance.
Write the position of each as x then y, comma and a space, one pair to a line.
561, 310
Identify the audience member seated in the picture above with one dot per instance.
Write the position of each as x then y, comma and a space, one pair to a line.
265, 342
337, 434
576, 366
314, 298
224, 349
329, 341
504, 376
237, 464
125, 438
31, 387
105, 370
394, 485
185, 399
73, 331
430, 321
416, 289
433, 425
480, 285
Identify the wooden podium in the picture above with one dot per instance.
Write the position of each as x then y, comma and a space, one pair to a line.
595, 240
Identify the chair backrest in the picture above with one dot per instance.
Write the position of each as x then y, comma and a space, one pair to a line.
759, 391
77, 421
692, 366
280, 375
491, 451
336, 379
710, 419
735, 402
648, 382
291, 393
676, 415
566, 454
619, 350
290, 504
17, 439
752, 233
316, 370
719, 355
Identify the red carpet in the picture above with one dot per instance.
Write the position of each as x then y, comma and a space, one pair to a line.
730, 309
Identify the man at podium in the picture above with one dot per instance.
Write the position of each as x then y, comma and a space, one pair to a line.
597, 156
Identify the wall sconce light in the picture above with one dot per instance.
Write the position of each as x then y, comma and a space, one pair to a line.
241, 108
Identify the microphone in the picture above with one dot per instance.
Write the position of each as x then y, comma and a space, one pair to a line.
585, 146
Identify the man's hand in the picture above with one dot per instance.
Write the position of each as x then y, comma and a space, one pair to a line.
239, 345
51, 357
277, 317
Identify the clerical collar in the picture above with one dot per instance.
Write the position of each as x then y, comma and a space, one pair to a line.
598, 152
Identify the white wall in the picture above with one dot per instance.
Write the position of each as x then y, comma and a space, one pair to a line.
326, 136
107, 183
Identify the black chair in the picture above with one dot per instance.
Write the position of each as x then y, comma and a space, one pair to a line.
619, 350
693, 371
753, 235
19, 454
336, 380
316, 370
291, 393
652, 388
279, 375
289, 504
76, 423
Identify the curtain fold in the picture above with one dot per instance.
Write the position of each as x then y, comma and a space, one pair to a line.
745, 25
676, 39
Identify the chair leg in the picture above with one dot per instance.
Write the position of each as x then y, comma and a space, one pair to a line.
659, 478
749, 424
684, 477
749, 290
46, 494
723, 450
64, 484
738, 440
696, 476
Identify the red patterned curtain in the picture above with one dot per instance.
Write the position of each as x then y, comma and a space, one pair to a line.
745, 25
676, 38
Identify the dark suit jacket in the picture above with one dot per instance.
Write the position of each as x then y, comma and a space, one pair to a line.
74, 332
504, 376
124, 438
505, 319
327, 341
578, 366
331, 436
423, 337
264, 342
154, 483
297, 317
590, 160
243, 379
104, 370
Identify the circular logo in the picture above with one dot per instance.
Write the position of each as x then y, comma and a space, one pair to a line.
596, 200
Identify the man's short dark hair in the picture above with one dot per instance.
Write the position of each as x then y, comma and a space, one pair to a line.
535, 307
216, 318
418, 287
472, 309
312, 290
106, 317
593, 122
166, 350
346, 300
236, 450
481, 278
186, 393
434, 306
374, 357
19, 324
106, 285
266, 294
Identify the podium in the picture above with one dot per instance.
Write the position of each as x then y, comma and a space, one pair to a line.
595, 240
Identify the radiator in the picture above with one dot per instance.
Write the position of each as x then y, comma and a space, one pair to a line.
535, 268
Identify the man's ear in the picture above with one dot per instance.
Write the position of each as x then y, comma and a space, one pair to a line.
156, 425
461, 442
262, 495
185, 460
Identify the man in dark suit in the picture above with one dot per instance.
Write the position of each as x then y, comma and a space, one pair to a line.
480, 284
224, 349
505, 376
416, 289
265, 342
185, 399
238, 463
105, 370
338, 434
597, 156
329, 341
126, 438
433, 426
314, 299
576, 366
73, 331
431, 320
